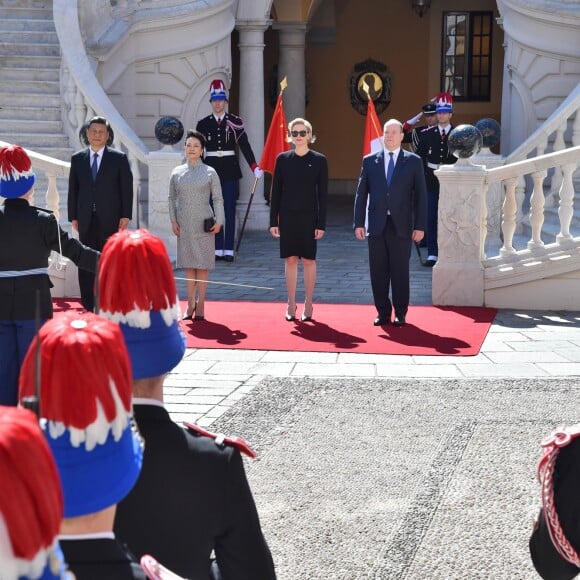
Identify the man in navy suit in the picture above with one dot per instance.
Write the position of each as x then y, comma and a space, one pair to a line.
100, 195
390, 210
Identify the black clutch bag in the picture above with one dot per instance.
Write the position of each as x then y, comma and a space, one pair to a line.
208, 223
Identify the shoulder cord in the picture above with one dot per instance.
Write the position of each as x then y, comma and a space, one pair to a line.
552, 445
59, 262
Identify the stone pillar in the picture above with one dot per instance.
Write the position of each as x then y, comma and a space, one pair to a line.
458, 274
161, 163
251, 34
292, 64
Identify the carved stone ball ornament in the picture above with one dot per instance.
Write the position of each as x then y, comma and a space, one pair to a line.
377, 77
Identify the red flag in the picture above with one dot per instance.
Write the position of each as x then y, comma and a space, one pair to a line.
373, 141
276, 139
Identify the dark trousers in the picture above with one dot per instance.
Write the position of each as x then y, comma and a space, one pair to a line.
15, 339
94, 238
224, 240
432, 212
389, 256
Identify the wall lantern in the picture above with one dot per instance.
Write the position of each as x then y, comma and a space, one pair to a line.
420, 7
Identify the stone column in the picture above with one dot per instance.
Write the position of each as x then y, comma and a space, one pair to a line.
292, 64
458, 274
161, 163
251, 45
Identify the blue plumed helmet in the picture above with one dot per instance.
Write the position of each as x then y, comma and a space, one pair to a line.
147, 309
85, 402
16, 175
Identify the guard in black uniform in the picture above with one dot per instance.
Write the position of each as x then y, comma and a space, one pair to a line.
27, 236
428, 111
192, 496
555, 541
224, 133
432, 147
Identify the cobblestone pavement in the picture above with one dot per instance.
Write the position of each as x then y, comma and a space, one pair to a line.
210, 381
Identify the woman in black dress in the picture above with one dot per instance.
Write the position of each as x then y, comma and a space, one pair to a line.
298, 211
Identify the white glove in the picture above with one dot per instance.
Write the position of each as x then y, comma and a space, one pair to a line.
258, 173
415, 119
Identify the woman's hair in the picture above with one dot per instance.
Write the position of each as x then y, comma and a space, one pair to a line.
197, 135
300, 121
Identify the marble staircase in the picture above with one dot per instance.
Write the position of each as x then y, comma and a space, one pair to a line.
30, 101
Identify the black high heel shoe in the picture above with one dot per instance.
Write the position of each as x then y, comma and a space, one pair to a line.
290, 317
189, 315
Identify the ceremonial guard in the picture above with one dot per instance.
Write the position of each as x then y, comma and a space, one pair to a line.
192, 498
28, 235
224, 134
431, 146
555, 541
31, 504
428, 111
81, 371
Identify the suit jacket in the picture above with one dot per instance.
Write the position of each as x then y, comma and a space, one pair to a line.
405, 198
31, 234
547, 560
231, 132
112, 192
192, 497
99, 559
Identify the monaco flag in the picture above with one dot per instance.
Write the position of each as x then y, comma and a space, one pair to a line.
276, 139
373, 140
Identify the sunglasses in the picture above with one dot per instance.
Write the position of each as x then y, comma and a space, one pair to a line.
298, 133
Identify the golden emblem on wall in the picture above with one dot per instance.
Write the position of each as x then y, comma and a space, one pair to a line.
374, 77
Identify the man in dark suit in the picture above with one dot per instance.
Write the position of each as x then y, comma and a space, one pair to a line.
224, 133
192, 496
100, 195
391, 200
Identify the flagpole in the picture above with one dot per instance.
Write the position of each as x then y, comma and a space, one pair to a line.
283, 85
246, 216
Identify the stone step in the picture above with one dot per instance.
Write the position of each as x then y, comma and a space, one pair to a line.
33, 61
30, 86
40, 113
26, 24
11, 36
29, 9
28, 74
35, 141
41, 126
28, 100
21, 49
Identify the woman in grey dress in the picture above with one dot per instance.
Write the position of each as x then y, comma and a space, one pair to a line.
192, 187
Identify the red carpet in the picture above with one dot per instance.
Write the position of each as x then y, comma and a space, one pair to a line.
430, 330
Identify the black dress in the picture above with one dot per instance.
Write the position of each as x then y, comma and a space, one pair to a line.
298, 205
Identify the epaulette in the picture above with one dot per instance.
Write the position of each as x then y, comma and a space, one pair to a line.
220, 439
552, 444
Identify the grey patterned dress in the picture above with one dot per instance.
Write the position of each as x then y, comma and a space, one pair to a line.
191, 187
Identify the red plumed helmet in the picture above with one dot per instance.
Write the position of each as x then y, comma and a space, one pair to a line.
16, 175
31, 503
444, 103
217, 90
137, 290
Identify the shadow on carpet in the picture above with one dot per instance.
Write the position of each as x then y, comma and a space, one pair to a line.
430, 330
399, 479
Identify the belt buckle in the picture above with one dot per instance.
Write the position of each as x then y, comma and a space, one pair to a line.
220, 153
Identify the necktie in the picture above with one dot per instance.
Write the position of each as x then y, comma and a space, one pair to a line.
390, 168
443, 135
95, 166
